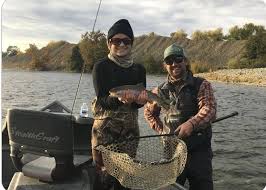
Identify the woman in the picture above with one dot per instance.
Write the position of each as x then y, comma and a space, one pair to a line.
115, 118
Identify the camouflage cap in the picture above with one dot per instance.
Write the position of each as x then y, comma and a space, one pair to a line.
174, 49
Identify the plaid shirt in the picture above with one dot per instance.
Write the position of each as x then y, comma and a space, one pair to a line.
206, 104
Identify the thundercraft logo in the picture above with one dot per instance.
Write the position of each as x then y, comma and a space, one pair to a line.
36, 136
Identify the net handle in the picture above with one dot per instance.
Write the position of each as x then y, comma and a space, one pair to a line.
172, 134
164, 135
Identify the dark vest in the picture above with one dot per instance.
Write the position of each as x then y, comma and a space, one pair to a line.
185, 99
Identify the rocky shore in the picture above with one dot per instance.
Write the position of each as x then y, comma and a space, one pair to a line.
243, 76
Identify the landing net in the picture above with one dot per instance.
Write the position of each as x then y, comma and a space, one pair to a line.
145, 163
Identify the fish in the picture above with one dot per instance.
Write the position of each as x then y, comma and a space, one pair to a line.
134, 91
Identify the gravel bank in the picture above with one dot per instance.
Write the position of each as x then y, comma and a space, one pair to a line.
244, 76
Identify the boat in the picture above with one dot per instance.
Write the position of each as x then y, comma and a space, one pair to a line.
48, 149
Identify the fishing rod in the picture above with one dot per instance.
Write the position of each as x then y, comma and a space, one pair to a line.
83, 66
225, 117
172, 134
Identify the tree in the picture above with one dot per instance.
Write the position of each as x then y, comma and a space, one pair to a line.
256, 46
245, 32
255, 54
36, 61
12, 51
234, 33
76, 61
92, 47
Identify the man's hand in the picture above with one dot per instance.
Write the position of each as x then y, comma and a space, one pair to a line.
184, 130
157, 125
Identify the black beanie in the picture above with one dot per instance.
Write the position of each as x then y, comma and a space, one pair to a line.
121, 26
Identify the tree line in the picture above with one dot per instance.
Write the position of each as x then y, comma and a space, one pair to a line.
92, 47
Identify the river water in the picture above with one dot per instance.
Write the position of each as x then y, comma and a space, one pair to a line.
239, 143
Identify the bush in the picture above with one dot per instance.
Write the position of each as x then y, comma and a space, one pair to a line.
179, 34
212, 35
234, 64
152, 66
215, 35
199, 67
199, 35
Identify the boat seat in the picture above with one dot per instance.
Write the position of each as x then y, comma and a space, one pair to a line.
41, 144
41, 167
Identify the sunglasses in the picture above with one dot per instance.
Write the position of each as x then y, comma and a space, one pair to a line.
118, 41
171, 60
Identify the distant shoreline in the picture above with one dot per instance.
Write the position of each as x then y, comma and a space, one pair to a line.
255, 76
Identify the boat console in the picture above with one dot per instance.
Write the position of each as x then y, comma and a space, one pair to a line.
48, 146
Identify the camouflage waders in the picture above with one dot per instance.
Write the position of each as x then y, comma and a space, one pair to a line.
110, 126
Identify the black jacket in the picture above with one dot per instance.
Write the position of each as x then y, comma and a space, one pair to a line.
107, 75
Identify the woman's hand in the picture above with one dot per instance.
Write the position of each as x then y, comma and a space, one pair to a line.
126, 100
131, 96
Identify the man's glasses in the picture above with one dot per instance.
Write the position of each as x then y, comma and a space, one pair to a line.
118, 41
171, 60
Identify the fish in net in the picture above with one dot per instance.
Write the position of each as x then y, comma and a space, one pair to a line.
145, 163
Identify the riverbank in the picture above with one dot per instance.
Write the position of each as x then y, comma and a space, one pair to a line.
255, 76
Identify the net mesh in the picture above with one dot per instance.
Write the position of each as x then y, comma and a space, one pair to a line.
145, 163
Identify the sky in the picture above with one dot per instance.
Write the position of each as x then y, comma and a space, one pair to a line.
42, 21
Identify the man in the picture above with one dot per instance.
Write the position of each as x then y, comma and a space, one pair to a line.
193, 98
